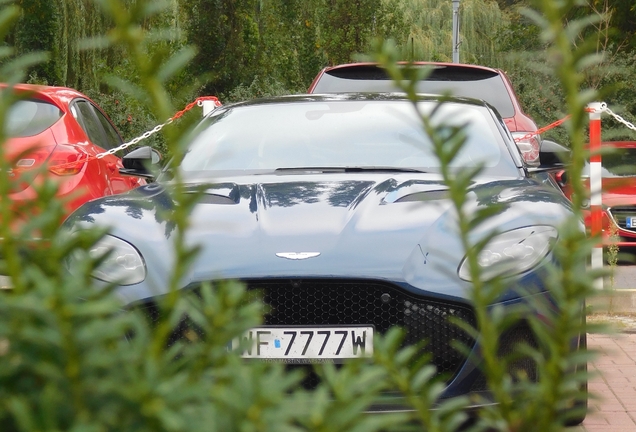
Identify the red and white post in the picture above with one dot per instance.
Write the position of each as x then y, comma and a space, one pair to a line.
596, 187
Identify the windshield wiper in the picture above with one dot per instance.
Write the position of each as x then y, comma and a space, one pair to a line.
351, 169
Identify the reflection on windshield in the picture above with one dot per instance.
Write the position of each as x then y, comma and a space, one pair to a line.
338, 134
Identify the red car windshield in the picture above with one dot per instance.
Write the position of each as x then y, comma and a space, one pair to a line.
31, 117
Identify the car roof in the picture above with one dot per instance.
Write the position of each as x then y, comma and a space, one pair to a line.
59, 96
344, 97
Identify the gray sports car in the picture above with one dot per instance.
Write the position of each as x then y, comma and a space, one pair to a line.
334, 208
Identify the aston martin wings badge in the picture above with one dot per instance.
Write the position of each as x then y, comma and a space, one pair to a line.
297, 255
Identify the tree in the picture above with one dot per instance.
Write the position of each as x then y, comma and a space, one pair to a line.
40, 22
346, 26
226, 35
430, 23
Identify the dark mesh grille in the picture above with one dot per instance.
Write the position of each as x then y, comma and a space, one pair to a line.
327, 302
312, 302
620, 215
185, 330
520, 334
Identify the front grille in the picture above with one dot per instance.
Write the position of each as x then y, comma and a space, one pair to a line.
310, 302
315, 302
620, 215
518, 335
185, 330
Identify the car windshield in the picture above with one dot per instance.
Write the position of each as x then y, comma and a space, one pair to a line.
463, 82
620, 162
340, 134
31, 117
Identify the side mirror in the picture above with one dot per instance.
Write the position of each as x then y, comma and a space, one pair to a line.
552, 153
139, 162
552, 156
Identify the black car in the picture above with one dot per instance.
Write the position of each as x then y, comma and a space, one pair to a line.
334, 208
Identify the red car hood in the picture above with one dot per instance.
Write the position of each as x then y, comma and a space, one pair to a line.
619, 191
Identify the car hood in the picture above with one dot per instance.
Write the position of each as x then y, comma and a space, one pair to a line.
617, 200
373, 226
619, 191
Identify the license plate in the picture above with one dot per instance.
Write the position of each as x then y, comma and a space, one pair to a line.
630, 222
306, 344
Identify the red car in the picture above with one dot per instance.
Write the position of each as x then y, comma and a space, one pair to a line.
619, 193
63, 130
463, 80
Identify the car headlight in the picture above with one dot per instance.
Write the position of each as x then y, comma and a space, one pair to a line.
123, 263
513, 252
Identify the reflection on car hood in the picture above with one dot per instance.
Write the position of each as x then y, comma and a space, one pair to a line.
387, 226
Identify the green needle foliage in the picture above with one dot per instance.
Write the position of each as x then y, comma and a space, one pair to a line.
559, 396
72, 360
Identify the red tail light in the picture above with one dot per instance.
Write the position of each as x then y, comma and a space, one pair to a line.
529, 147
66, 160
33, 159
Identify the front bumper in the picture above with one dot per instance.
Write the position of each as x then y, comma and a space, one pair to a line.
425, 318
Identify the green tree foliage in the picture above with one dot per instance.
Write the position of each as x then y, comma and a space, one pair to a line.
523, 55
287, 55
431, 23
39, 26
345, 27
621, 25
281, 41
622, 14
226, 33
57, 26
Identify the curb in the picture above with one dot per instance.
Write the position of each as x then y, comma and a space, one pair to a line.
614, 301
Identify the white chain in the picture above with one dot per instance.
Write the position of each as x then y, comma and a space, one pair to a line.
134, 140
618, 118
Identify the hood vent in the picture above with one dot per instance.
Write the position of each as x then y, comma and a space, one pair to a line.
417, 191
222, 193
424, 196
